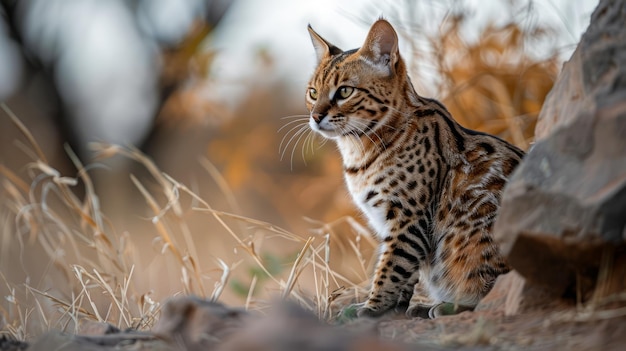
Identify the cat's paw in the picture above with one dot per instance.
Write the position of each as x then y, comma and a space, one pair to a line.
418, 311
366, 311
349, 312
447, 309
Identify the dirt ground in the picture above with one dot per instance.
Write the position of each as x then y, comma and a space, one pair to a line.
194, 324
488, 330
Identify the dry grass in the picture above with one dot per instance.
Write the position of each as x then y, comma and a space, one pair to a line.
96, 261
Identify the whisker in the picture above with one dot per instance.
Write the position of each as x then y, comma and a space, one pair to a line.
280, 146
363, 131
298, 132
366, 121
304, 145
360, 142
311, 140
292, 122
322, 143
294, 116
295, 145
356, 137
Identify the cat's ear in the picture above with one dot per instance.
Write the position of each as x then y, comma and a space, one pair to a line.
381, 45
322, 47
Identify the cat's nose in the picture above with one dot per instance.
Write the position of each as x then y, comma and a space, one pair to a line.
318, 117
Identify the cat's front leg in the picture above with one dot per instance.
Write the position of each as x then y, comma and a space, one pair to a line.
394, 278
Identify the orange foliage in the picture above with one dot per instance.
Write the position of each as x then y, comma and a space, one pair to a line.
494, 85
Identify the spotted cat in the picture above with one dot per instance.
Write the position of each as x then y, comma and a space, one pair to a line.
429, 187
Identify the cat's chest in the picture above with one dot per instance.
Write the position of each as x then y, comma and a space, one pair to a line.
372, 194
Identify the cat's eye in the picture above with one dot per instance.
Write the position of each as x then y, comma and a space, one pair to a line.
344, 92
313, 94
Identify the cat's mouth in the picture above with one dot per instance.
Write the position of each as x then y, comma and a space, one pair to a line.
325, 128
332, 130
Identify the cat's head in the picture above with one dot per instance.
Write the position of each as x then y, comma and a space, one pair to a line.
352, 92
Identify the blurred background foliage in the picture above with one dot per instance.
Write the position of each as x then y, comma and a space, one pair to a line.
155, 75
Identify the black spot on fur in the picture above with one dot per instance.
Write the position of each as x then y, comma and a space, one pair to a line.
396, 204
424, 113
487, 147
402, 272
423, 224
426, 145
423, 199
370, 195
401, 253
484, 239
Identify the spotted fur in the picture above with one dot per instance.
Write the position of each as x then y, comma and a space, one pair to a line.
429, 187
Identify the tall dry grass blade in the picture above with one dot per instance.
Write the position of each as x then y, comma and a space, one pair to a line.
79, 272
67, 306
171, 191
91, 205
19, 332
156, 221
14, 179
295, 272
42, 313
255, 222
221, 183
250, 292
249, 248
219, 286
25, 131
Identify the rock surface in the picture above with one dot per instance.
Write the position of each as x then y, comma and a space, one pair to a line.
512, 295
191, 323
564, 210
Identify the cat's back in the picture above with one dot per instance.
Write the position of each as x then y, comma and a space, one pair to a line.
472, 187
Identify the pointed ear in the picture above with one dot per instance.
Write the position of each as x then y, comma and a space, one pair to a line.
381, 45
322, 47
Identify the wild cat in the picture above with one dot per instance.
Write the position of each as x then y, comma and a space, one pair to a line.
429, 188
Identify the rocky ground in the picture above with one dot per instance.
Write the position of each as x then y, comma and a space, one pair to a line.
189, 323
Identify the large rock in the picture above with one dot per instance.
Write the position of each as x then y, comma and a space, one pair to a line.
564, 211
